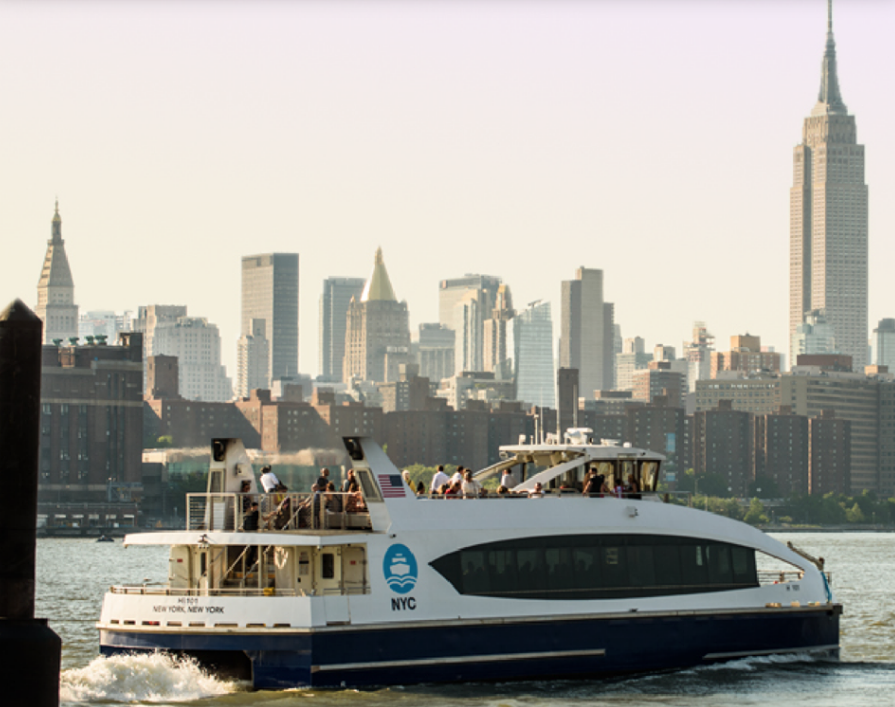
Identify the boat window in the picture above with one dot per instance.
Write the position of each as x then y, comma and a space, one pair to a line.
649, 475
598, 567
368, 486
328, 566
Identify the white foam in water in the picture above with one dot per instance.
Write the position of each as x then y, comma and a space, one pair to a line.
151, 677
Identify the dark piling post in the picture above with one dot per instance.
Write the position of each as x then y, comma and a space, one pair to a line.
29, 650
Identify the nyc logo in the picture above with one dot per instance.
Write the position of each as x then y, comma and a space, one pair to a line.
399, 568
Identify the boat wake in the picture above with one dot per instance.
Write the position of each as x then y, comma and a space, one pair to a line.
152, 677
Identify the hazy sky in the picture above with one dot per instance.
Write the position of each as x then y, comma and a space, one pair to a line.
519, 139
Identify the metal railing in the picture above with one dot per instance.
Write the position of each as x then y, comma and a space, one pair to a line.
278, 511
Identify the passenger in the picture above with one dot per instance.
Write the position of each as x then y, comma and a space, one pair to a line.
471, 487
502, 490
268, 479
633, 488
537, 491
507, 480
282, 515
619, 490
444, 488
420, 488
322, 480
438, 479
455, 490
333, 499
458, 475
593, 485
407, 480
244, 489
250, 517
350, 485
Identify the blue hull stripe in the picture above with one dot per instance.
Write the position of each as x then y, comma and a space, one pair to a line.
585, 647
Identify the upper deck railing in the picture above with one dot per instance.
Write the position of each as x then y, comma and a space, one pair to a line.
277, 511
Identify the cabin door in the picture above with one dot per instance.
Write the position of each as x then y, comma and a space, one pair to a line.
329, 583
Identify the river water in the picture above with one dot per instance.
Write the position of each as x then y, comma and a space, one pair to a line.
72, 576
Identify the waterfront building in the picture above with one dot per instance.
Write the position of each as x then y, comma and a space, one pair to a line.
56, 290
337, 295
533, 355
781, 452
377, 339
830, 454
587, 331
661, 427
91, 424
828, 218
723, 445
270, 292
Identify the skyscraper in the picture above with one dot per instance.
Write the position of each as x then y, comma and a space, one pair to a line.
252, 359
533, 353
337, 295
270, 292
828, 218
56, 289
377, 338
587, 332
884, 344
497, 336
463, 305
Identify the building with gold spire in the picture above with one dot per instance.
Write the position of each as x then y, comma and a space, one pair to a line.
828, 219
377, 331
56, 289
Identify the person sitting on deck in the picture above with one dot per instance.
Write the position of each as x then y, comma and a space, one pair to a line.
350, 485
633, 488
537, 491
282, 515
471, 488
454, 490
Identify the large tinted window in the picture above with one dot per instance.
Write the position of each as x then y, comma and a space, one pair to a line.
598, 567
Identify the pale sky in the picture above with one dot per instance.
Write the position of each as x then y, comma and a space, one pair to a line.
652, 140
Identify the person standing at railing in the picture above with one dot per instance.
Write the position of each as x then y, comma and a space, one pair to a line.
268, 479
438, 480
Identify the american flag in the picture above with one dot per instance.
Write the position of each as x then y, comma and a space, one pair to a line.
392, 485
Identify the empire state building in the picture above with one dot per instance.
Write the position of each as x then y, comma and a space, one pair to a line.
828, 219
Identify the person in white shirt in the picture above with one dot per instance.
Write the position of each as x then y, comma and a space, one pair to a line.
458, 475
507, 480
268, 479
439, 479
471, 487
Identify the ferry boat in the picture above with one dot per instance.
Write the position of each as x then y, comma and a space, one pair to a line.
384, 587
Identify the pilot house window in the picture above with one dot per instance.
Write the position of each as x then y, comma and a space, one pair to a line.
598, 567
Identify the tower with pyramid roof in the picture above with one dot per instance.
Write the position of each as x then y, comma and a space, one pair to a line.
56, 289
377, 335
828, 219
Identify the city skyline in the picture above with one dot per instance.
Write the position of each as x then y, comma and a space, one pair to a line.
534, 130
